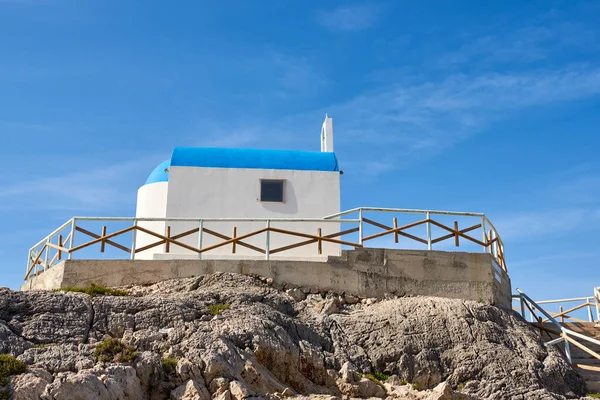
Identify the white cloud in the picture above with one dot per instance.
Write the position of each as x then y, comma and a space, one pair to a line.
98, 189
428, 117
350, 18
392, 127
532, 226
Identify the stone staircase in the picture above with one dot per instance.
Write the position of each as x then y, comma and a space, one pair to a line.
584, 359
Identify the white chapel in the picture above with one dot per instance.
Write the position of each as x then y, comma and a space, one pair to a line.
215, 186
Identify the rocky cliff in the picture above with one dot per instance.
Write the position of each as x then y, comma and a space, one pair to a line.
230, 336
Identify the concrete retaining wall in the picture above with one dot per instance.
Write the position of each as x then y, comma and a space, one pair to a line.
362, 272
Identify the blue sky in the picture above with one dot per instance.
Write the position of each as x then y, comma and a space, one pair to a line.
476, 106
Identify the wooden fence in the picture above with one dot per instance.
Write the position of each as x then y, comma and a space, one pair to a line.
61, 243
554, 332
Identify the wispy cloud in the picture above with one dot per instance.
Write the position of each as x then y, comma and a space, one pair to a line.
422, 119
532, 226
351, 17
409, 121
98, 190
541, 38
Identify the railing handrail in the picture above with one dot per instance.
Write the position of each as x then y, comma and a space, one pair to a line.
63, 226
489, 240
142, 219
588, 301
275, 219
417, 211
566, 334
405, 211
540, 309
565, 300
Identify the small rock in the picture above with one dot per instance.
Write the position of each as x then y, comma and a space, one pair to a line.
188, 370
395, 380
367, 388
191, 390
319, 306
269, 281
28, 386
287, 392
350, 299
195, 285
219, 386
348, 373
239, 390
217, 317
330, 307
296, 294
226, 395
443, 391
370, 301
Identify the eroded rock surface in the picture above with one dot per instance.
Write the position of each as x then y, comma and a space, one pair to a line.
274, 343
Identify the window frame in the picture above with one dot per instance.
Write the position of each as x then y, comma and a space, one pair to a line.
260, 187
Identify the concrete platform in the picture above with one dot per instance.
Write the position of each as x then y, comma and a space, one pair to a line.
362, 272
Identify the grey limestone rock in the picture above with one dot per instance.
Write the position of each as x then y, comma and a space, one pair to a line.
274, 344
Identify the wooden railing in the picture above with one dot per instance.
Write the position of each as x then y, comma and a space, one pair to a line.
556, 333
365, 228
567, 313
490, 239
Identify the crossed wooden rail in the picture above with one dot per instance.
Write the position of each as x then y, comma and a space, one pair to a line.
455, 233
490, 240
168, 240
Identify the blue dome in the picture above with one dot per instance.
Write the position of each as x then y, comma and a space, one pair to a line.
160, 173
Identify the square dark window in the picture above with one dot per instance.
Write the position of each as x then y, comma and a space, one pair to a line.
271, 190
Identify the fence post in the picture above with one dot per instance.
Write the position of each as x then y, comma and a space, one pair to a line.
72, 237
522, 307
320, 242
200, 231
484, 238
531, 316
590, 314
597, 298
567, 350
29, 260
427, 215
133, 239
360, 226
268, 239
47, 256
233, 236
